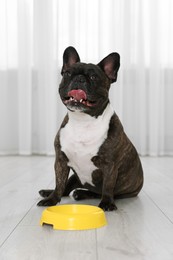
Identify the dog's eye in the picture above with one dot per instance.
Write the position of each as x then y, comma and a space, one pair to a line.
93, 77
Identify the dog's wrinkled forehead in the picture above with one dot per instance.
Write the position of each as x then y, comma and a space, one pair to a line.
85, 69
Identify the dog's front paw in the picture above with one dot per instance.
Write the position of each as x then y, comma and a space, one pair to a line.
107, 205
52, 200
45, 193
47, 202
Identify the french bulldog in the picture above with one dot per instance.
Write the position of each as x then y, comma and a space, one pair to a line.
91, 140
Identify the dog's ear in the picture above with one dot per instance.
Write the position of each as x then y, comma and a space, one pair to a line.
70, 57
110, 65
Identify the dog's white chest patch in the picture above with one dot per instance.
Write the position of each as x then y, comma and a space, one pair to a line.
81, 139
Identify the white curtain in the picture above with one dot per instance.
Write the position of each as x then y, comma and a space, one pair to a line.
33, 36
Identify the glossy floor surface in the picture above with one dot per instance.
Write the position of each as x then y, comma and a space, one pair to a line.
141, 228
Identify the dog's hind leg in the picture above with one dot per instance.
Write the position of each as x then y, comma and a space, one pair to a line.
82, 194
72, 184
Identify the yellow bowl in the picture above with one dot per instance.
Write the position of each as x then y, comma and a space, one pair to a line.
74, 217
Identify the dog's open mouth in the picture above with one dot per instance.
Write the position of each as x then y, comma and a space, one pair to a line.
78, 97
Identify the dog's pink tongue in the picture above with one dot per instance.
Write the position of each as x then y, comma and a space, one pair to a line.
77, 94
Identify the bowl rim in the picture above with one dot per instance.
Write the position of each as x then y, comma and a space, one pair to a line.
81, 221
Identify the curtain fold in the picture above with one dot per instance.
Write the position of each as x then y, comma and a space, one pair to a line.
24, 73
33, 36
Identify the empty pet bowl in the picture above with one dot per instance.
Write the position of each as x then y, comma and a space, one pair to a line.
74, 217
